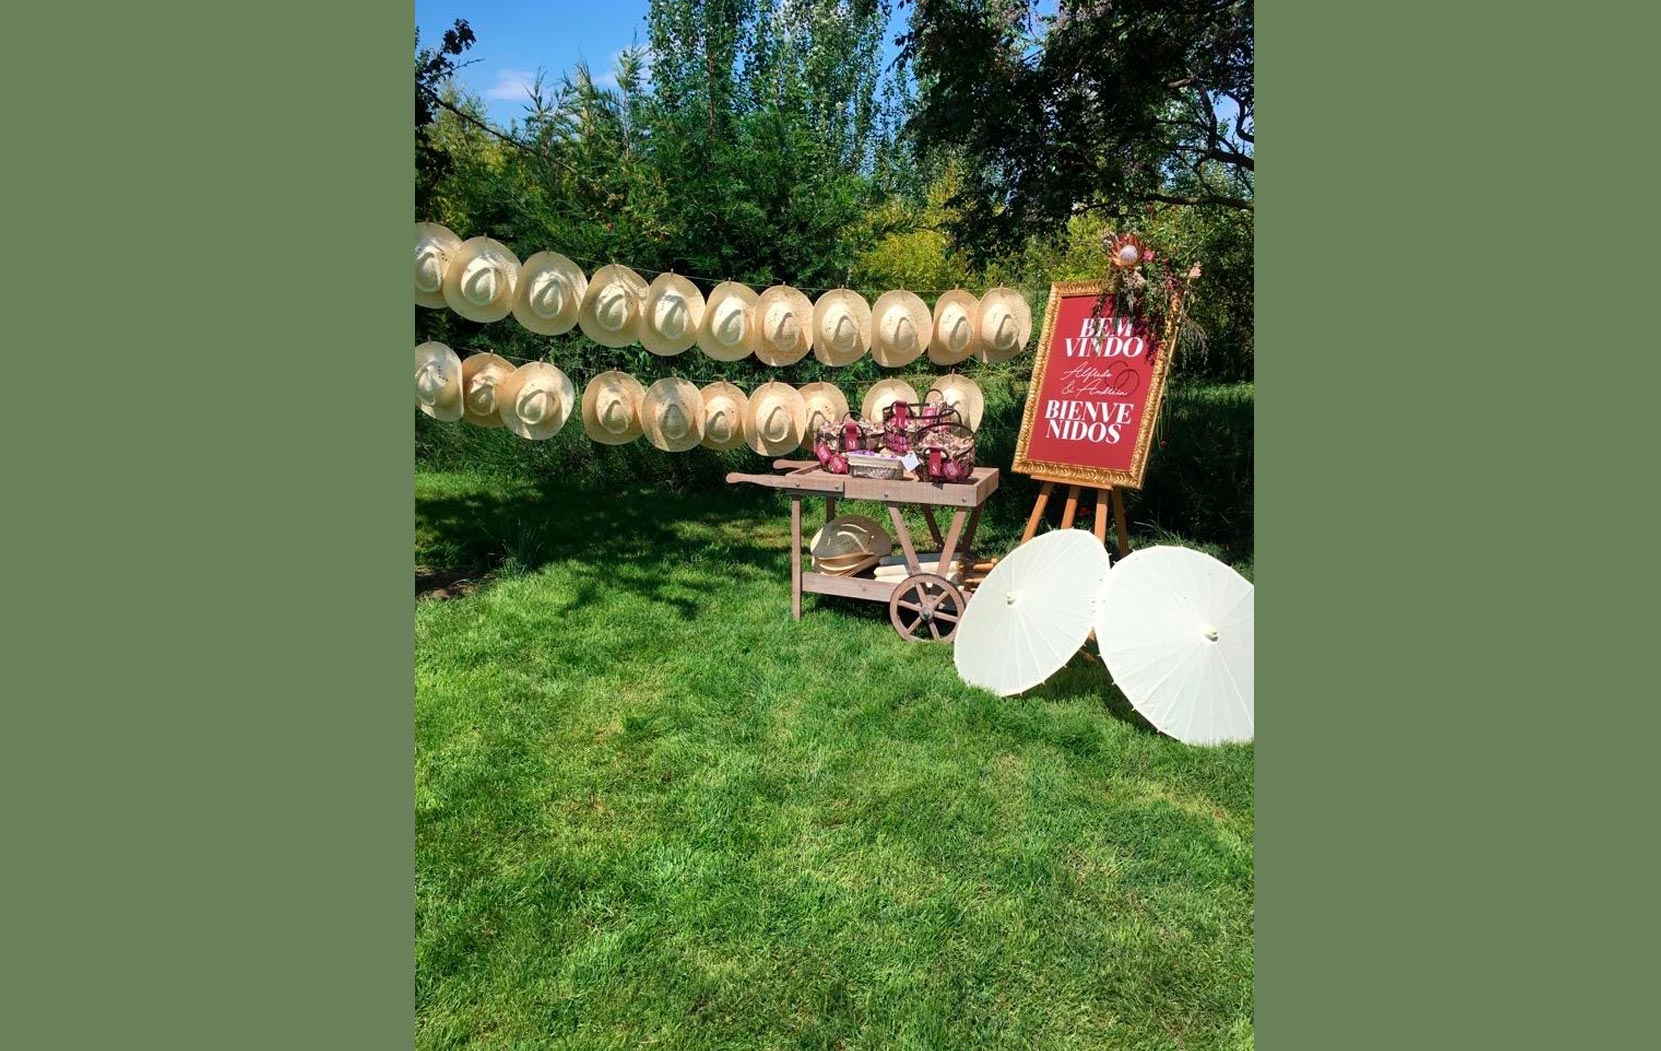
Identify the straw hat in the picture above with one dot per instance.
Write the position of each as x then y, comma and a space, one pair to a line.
610, 314
775, 419
481, 277
784, 318
536, 400
962, 394
847, 540
550, 294
954, 327
669, 320
825, 404
841, 327
725, 408
883, 394
1004, 325
611, 408
728, 331
903, 328
481, 376
438, 382
673, 415
434, 245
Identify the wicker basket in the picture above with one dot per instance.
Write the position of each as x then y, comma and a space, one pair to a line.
903, 422
946, 452
874, 465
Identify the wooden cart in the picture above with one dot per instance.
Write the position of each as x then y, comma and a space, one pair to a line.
923, 606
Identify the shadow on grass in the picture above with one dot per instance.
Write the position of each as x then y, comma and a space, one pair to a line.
627, 535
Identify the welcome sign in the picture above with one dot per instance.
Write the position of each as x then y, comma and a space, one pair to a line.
1096, 386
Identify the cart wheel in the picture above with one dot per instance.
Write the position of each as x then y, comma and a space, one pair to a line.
926, 608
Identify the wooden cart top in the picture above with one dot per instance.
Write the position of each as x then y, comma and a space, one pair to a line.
806, 477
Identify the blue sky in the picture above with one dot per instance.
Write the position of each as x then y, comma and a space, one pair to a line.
518, 38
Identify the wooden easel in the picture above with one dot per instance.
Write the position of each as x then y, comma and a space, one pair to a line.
1104, 495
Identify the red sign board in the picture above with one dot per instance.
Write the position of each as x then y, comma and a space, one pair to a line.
1096, 387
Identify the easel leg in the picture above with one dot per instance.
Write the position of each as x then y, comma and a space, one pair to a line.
795, 558
1101, 517
1119, 522
1038, 511
1069, 511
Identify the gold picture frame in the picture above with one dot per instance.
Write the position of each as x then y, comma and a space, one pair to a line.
1076, 474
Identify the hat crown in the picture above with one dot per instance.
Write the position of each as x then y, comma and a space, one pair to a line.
429, 382
719, 422
956, 328
775, 419
729, 323
535, 404
898, 330
611, 307
844, 333
481, 394
481, 280
1003, 327
783, 327
614, 413
819, 411
673, 420
670, 317
429, 267
549, 293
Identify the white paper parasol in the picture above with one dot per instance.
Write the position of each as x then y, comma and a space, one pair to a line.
1175, 631
1031, 613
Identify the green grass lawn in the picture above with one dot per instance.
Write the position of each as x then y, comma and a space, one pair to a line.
652, 811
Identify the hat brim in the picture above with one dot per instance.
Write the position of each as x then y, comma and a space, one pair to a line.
507, 398
632, 392
444, 239
939, 352
713, 347
588, 316
974, 399
471, 369
861, 311
658, 397
767, 351
752, 419
529, 271
1016, 304
718, 390
838, 408
501, 305
654, 340
447, 407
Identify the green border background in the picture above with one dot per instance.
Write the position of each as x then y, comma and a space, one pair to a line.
208, 739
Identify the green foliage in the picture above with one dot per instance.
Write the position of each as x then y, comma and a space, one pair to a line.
653, 811
763, 146
1096, 106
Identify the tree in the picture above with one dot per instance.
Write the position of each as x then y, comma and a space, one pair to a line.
1103, 104
433, 69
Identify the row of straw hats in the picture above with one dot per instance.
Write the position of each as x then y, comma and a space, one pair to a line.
536, 399
483, 280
